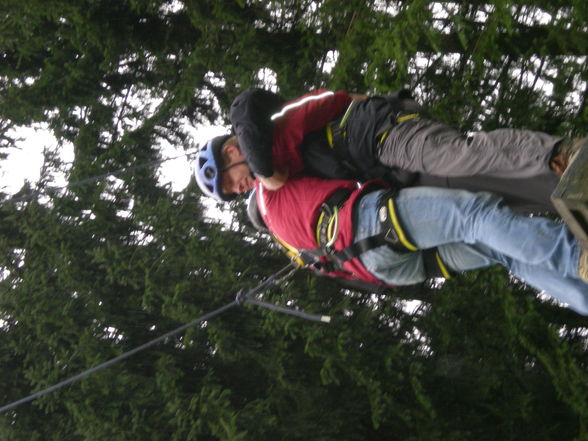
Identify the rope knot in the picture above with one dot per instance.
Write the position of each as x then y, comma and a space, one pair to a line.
241, 296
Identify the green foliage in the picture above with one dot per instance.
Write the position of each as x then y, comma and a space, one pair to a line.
105, 267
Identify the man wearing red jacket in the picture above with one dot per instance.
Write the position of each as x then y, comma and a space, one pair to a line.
404, 237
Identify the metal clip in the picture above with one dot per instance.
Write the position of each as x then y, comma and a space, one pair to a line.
391, 236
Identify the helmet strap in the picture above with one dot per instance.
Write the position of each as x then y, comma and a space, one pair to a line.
228, 167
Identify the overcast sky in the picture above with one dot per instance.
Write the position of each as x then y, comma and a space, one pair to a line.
25, 160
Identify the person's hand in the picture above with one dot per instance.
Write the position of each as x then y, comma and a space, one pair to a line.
558, 164
276, 181
565, 153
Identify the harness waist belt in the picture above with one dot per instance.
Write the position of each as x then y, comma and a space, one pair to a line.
336, 133
393, 236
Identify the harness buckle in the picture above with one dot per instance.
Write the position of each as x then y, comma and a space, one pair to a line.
391, 236
325, 208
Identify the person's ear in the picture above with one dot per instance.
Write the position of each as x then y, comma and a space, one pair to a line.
233, 152
226, 153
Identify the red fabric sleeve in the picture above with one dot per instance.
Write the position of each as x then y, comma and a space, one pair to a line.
307, 114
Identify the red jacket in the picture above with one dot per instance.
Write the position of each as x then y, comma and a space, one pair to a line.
305, 115
292, 212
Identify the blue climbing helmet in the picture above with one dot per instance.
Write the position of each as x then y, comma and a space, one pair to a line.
208, 169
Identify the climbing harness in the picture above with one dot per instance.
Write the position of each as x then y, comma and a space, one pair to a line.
241, 298
336, 134
327, 226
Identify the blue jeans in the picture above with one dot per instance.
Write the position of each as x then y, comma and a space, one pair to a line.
473, 230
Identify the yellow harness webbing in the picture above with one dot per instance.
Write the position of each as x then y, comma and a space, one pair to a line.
442, 267
399, 120
290, 251
396, 225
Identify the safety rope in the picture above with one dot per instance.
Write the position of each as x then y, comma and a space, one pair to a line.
242, 297
121, 171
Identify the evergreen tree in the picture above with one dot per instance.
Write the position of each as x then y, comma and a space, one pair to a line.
101, 268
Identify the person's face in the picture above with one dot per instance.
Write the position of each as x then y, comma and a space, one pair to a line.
236, 177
